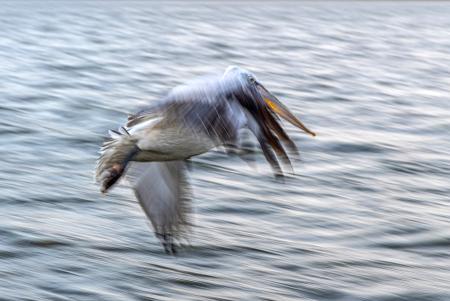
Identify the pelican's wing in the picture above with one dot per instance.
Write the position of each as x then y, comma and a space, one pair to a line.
220, 107
204, 91
163, 191
206, 106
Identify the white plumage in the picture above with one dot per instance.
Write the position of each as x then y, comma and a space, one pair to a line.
190, 120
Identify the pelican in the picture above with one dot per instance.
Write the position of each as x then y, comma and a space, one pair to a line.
151, 149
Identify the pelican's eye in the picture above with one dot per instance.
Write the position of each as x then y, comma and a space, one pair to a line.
251, 79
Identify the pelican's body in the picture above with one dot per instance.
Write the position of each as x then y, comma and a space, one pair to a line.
170, 142
190, 121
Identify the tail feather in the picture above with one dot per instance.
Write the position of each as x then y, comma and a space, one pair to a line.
114, 155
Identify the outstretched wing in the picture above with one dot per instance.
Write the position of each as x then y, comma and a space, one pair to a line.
206, 106
220, 107
163, 191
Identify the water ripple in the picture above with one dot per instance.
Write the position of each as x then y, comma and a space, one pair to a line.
364, 217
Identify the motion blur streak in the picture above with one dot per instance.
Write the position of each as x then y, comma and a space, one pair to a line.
366, 217
157, 142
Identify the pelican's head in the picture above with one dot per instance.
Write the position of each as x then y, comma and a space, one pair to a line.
253, 93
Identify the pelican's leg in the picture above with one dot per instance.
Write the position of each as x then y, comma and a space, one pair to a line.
114, 173
131, 155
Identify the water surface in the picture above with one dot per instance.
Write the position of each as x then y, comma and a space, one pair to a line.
366, 217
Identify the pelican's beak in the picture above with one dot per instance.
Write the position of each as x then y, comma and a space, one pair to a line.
277, 107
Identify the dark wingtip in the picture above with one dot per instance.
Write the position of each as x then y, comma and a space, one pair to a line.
167, 242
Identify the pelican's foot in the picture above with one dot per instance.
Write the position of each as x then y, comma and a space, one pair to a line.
110, 177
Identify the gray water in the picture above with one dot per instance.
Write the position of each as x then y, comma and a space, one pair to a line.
365, 217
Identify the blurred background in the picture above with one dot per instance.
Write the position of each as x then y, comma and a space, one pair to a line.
366, 217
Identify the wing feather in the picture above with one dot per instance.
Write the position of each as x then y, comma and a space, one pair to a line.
219, 107
163, 191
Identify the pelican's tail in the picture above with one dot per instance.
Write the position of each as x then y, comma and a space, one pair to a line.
115, 154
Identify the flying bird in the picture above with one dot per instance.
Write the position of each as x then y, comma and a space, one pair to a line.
151, 149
